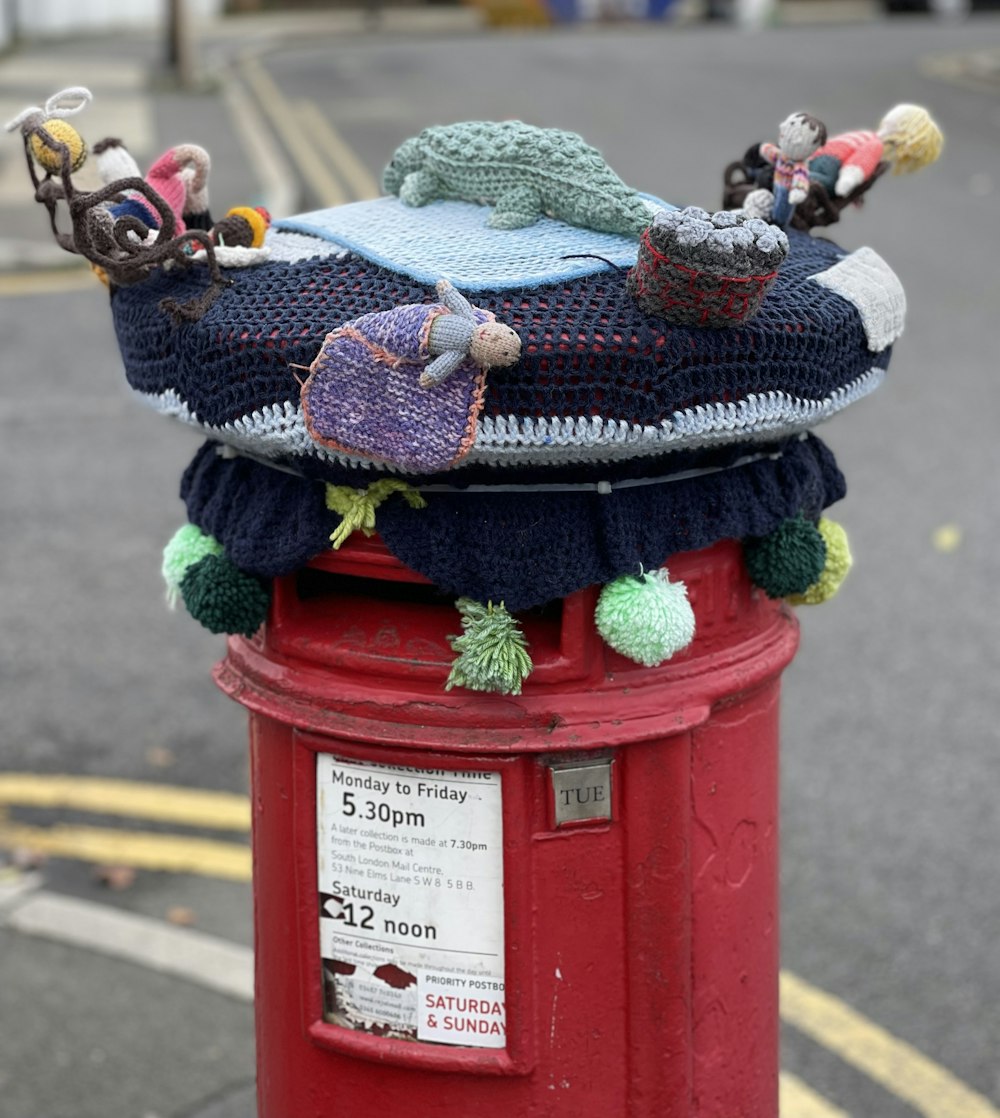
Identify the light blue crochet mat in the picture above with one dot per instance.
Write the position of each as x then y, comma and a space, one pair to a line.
451, 240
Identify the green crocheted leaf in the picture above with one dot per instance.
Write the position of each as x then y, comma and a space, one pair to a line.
223, 598
493, 654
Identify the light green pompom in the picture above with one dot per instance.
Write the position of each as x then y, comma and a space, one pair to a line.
647, 619
835, 569
187, 546
493, 654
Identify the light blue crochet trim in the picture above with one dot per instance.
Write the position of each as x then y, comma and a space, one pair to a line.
280, 431
451, 240
275, 431
525, 442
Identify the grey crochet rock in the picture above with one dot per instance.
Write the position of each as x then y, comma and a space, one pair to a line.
702, 269
525, 172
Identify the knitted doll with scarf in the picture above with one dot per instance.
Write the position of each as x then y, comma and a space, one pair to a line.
799, 136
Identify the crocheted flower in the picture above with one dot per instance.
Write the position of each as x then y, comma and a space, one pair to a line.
647, 619
788, 560
835, 570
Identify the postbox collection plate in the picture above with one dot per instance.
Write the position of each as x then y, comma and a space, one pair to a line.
410, 878
581, 792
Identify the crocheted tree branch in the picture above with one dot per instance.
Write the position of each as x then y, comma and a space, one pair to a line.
120, 246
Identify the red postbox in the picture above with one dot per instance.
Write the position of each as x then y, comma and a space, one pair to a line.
562, 903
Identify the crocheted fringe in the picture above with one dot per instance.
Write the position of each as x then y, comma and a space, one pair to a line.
357, 506
493, 654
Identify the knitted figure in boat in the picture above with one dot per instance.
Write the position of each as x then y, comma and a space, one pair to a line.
907, 139
842, 170
799, 136
521, 170
405, 386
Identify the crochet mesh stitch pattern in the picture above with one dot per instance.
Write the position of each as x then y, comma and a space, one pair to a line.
592, 362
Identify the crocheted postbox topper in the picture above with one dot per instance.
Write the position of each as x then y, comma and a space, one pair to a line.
527, 376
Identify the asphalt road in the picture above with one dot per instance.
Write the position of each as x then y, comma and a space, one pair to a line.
891, 884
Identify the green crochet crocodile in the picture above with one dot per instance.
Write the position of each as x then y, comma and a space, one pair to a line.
522, 170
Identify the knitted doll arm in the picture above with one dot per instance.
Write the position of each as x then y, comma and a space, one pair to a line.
769, 152
800, 184
859, 166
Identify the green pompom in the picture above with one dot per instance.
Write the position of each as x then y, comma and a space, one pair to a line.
647, 618
223, 598
187, 546
835, 569
789, 560
493, 654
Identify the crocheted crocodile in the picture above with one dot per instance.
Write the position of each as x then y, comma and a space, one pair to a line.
523, 171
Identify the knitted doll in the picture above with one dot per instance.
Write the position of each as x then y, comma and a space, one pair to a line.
405, 385
907, 139
799, 136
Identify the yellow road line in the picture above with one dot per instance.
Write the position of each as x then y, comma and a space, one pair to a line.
171, 853
358, 179
929, 1088
47, 282
191, 807
301, 146
797, 1100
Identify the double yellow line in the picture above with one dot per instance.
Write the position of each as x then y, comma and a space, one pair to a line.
327, 164
187, 807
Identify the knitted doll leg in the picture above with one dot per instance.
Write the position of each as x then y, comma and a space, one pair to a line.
782, 209
516, 209
419, 188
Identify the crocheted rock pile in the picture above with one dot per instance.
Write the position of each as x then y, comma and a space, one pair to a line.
706, 269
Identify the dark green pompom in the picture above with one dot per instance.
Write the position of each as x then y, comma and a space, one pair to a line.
789, 560
223, 598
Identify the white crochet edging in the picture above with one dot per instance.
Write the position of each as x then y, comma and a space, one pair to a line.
865, 280
562, 441
279, 430
274, 431
292, 247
